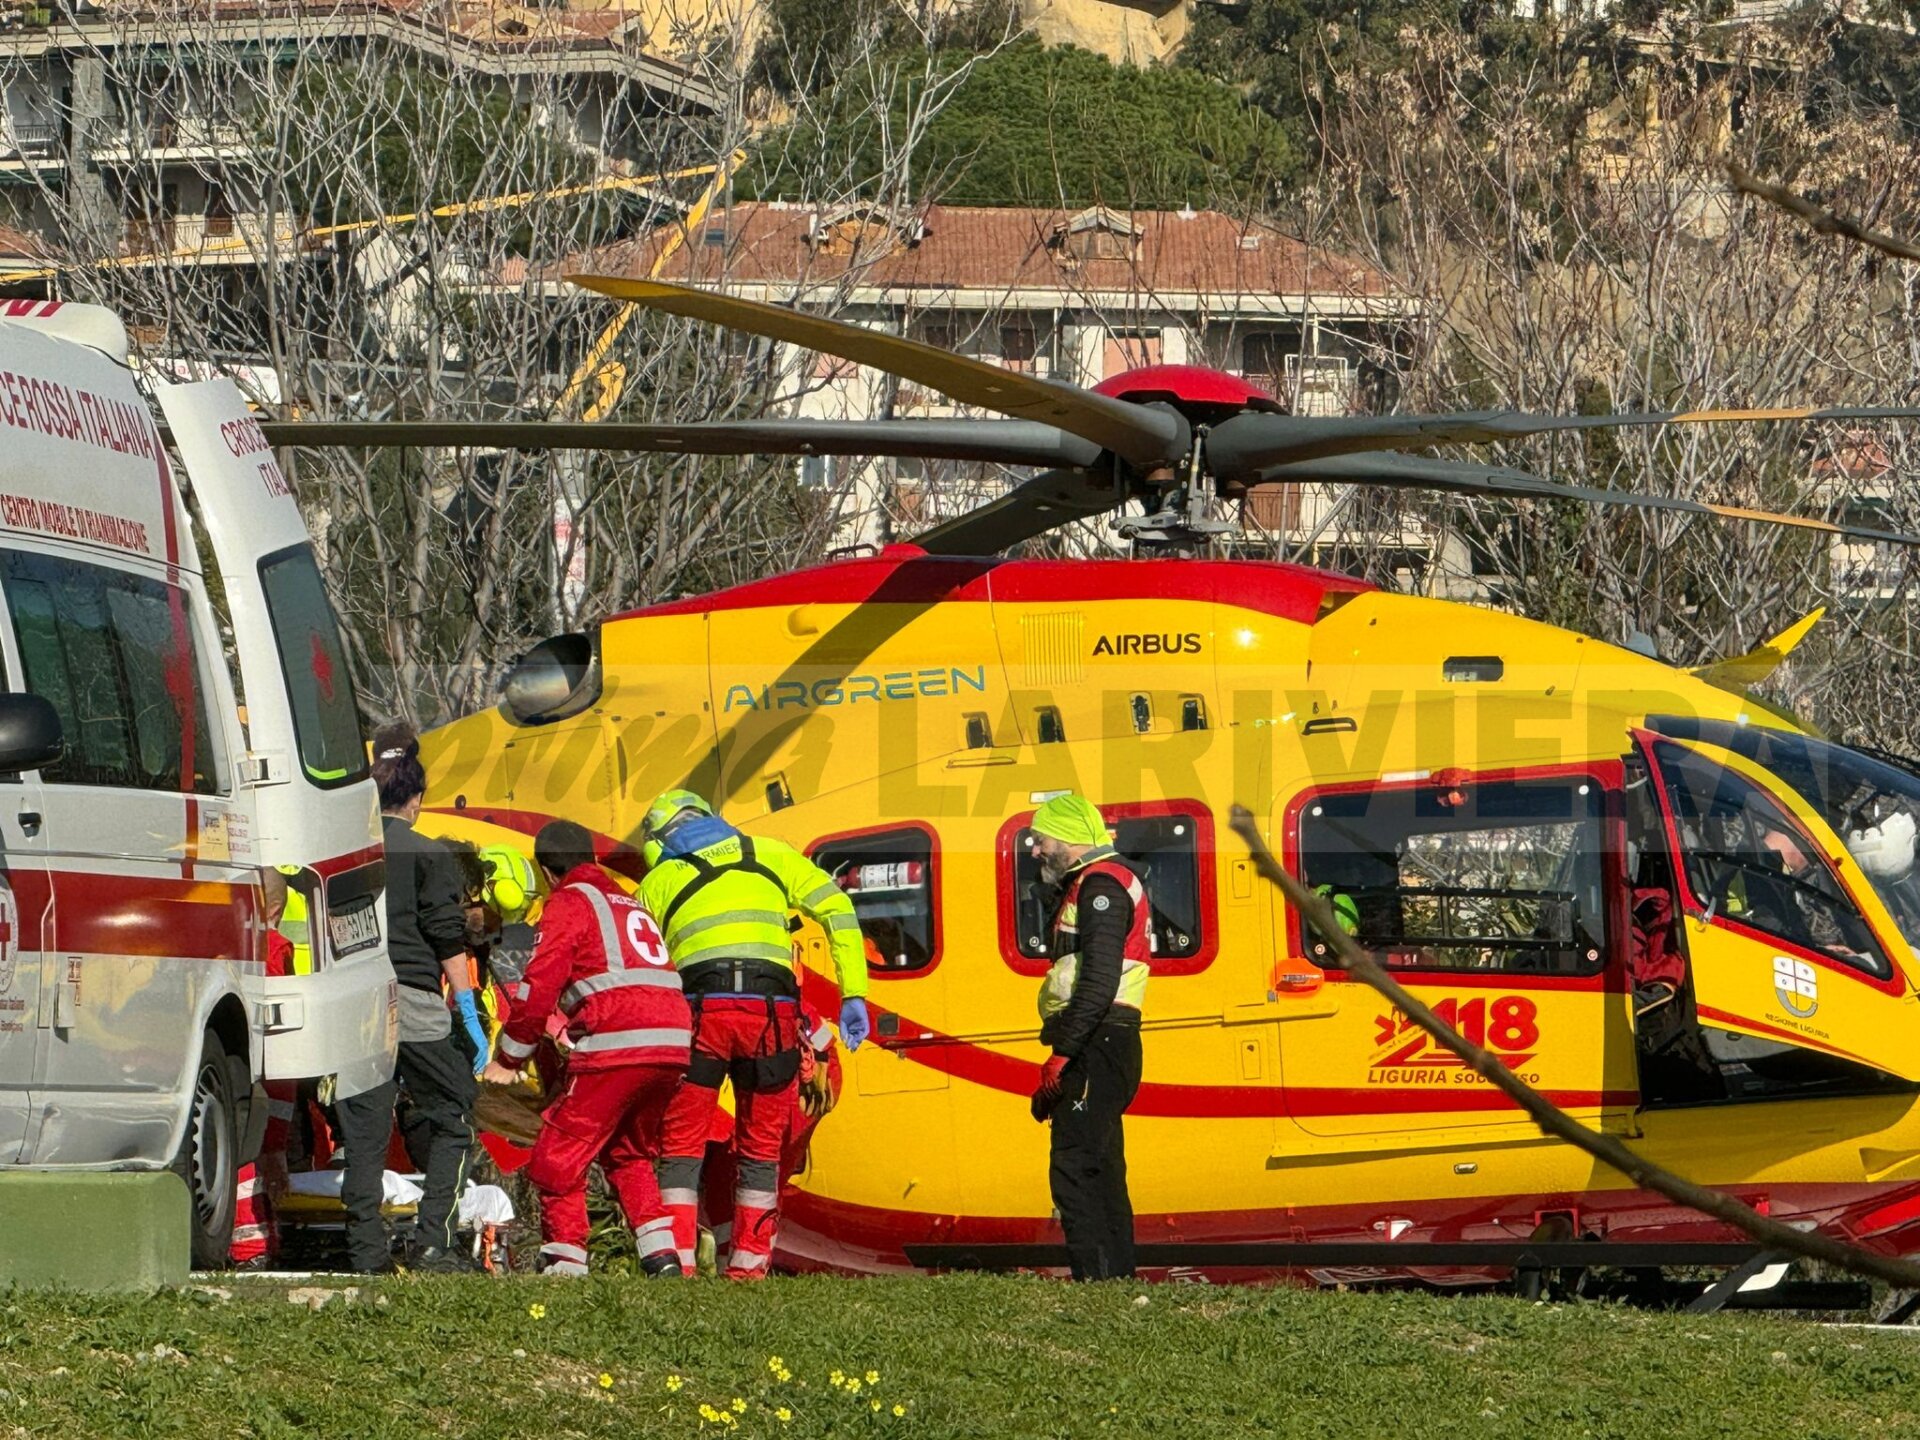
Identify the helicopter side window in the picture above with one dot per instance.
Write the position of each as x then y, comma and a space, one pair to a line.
1750, 861
889, 876
1170, 852
1499, 875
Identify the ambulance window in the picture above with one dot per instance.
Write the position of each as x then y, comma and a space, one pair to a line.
1751, 862
889, 876
86, 699
103, 646
1163, 850
313, 663
1499, 875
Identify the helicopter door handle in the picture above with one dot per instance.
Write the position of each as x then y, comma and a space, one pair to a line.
29, 822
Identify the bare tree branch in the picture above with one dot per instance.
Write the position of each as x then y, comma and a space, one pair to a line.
1824, 221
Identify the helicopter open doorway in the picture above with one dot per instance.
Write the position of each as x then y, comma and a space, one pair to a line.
1750, 888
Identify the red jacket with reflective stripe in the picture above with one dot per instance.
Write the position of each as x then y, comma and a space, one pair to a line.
602, 963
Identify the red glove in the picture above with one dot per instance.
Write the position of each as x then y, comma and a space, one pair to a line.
1046, 1094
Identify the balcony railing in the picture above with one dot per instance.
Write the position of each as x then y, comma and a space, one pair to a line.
30, 140
212, 239
198, 135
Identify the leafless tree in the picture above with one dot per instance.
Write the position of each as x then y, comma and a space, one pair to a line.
358, 215
1568, 220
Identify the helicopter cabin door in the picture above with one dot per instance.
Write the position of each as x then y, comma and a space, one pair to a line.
1487, 894
1789, 952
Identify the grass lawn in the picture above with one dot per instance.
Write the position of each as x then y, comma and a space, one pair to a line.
961, 1356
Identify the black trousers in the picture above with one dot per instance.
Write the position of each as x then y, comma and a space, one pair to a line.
364, 1123
440, 1090
1089, 1167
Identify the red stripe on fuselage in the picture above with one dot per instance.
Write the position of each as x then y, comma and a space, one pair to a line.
992, 1070
979, 1065
906, 576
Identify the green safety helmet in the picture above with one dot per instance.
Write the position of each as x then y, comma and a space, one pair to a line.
510, 881
1073, 819
669, 807
1346, 914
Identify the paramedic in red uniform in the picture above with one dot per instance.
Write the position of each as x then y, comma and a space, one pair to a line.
723, 899
818, 1093
602, 962
1090, 1017
256, 1238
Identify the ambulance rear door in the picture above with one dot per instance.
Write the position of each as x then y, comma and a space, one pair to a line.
1795, 962
310, 797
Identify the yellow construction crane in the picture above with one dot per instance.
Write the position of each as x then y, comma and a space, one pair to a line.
234, 243
608, 376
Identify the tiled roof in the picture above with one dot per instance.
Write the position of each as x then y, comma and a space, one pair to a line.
1002, 250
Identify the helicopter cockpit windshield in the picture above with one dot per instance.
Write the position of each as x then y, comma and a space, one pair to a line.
1872, 804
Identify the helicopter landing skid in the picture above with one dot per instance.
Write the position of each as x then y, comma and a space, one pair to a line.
1637, 1273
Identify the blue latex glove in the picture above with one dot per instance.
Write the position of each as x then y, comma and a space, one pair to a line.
854, 1022
470, 1017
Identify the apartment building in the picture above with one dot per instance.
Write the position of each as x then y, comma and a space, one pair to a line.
143, 131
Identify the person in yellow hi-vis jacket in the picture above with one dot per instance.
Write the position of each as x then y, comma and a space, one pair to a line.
1090, 1006
722, 900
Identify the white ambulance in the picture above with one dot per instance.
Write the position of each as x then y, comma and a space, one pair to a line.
136, 1017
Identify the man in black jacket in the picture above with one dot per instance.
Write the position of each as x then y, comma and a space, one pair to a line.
427, 943
1090, 1008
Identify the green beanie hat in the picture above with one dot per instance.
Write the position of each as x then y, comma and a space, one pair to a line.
1073, 819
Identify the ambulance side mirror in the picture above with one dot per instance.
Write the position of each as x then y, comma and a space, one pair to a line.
29, 732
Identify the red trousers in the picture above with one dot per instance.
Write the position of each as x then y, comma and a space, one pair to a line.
255, 1232
719, 1176
756, 1044
612, 1116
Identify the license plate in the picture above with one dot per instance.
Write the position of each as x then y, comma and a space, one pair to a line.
356, 930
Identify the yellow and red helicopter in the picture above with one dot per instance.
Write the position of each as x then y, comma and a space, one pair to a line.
1680, 916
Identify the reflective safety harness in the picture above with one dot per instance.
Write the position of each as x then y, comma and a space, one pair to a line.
733, 964
1057, 989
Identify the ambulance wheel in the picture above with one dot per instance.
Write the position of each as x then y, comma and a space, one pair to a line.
209, 1158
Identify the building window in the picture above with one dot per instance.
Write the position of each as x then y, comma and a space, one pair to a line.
1459, 874
1018, 344
1170, 847
889, 876
1264, 355
114, 653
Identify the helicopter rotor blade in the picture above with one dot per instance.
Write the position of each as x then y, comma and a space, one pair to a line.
1031, 508
1239, 447
1145, 435
1414, 472
1005, 442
